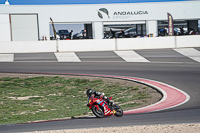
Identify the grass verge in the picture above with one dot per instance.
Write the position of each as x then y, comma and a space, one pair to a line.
46, 98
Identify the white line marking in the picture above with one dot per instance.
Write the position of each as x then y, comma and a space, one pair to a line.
67, 57
6, 57
190, 52
131, 56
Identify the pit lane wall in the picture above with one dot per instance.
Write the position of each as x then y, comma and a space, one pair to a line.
99, 44
27, 46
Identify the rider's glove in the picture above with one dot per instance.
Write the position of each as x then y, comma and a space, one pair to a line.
105, 97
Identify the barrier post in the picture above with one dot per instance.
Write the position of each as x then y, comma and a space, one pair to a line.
175, 41
116, 47
57, 47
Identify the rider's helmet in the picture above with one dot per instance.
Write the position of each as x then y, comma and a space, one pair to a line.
89, 92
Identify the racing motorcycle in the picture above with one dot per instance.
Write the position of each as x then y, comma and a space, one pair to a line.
101, 108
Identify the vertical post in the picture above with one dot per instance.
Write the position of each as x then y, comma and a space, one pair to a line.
152, 28
175, 39
97, 29
116, 45
57, 47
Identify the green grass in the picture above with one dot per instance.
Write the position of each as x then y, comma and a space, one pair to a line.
57, 97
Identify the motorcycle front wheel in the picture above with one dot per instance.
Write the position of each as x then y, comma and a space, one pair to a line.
98, 113
119, 111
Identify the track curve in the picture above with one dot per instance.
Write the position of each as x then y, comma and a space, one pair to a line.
185, 76
172, 97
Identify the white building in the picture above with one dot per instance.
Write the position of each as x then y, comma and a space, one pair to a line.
32, 22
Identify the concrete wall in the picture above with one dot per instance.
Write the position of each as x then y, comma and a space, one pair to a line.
27, 46
100, 44
87, 45
188, 41
146, 43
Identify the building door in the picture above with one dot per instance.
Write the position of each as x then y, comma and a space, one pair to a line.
24, 27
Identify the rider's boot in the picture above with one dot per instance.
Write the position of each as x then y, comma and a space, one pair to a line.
110, 103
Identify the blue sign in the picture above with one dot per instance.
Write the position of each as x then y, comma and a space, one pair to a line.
57, 2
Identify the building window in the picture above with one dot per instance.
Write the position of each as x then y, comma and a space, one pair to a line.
181, 27
124, 29
68, 31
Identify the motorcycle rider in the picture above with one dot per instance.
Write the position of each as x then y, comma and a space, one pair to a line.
90, 92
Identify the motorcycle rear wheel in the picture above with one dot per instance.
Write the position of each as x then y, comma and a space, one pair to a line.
98, 113
119, 111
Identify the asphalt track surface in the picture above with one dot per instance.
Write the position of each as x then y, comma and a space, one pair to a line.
182, 75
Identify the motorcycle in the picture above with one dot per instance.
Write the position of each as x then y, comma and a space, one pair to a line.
101, 108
